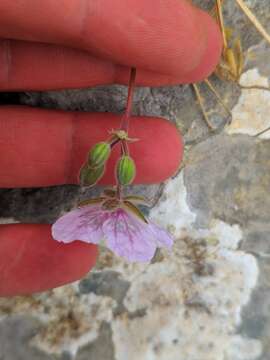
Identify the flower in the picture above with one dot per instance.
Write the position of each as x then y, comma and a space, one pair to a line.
126, 233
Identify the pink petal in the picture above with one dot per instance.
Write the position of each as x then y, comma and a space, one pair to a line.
129, 237
83, 224
162, 237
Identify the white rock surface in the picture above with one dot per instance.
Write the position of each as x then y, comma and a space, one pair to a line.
251, 115
189, 304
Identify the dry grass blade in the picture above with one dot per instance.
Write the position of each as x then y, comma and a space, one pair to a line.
262, 132
200, 100
252, 87
221, 22
253, 19
231, 64
214, 91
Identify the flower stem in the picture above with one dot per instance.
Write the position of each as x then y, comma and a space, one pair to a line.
119, 192
125, 121
124, 148
131, 87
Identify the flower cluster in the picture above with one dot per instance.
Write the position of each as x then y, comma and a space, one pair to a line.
113, 217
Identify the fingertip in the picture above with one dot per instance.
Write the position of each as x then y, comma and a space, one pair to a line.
162, 148
197, 47
211, 54
31, 261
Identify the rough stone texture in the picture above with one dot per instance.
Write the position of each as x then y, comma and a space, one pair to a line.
106, 283
209, 298
44, 205
15, 334
97, 349
227, 178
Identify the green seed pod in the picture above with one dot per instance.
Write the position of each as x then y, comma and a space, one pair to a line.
126, 170
99, 154
89, 176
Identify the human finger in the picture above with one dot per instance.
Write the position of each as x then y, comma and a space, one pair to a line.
47, 147
30, 261
36, 66
172, 38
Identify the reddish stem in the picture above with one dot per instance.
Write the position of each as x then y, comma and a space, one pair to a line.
124, 148
114, 141
125, 120
131, 87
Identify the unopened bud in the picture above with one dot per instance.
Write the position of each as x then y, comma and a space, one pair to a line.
126, 170
90, 176
99, 154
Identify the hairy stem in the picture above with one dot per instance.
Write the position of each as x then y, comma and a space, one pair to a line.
125, 121
127, 114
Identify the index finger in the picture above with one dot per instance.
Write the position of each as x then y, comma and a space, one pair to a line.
169, 37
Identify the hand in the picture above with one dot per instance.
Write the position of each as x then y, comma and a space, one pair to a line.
169, 43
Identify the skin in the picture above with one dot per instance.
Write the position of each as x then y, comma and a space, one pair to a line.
75, 44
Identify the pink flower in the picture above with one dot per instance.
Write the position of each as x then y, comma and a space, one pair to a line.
126, 234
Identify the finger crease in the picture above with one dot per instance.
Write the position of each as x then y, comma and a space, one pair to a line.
5, 63
15, 260
84, 9
70, 155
